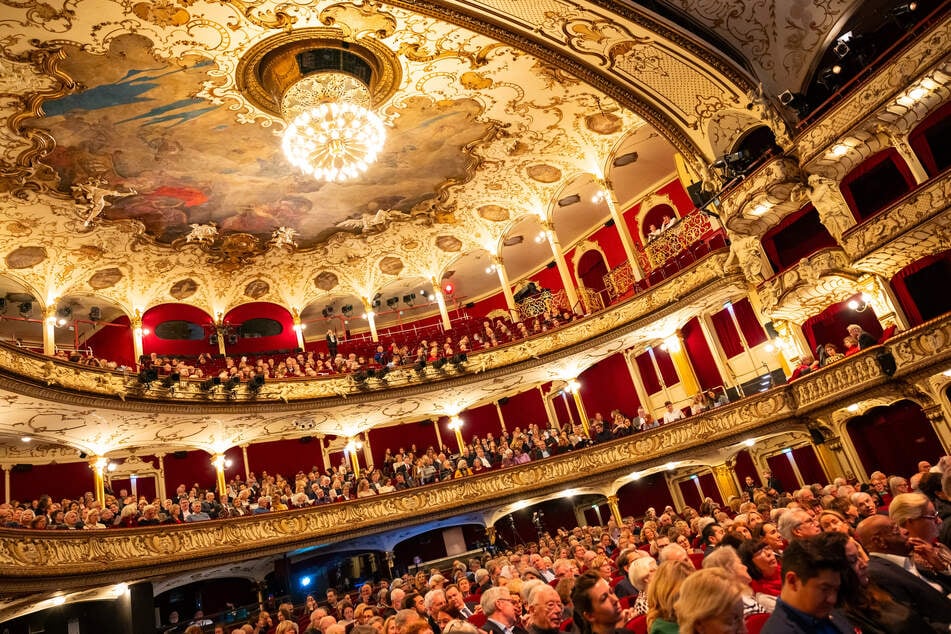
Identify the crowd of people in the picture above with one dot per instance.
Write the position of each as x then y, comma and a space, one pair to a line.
826, 354
400, 470
839, 558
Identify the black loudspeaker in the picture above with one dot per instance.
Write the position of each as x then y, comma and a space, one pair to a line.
305, 439
503, 400
180, 455
698, 196
22, 468
95, 313
817, 437
770, 330
470, 305
551, 265
3, 305
609, 223
886, 361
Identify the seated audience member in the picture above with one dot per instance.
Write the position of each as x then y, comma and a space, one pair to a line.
663, 591
764, 569
831, 354
807, 364
865, 604
915, 514
851, 345
864, 339
709, 601
640, 573
726, 558
812, 579
671, 414
892, 568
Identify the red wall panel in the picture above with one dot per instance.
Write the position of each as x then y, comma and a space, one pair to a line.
403, 436
70, 479
113, 342
809, 466
525, 408
607, 385
155, 316
286, 457
695, 345
286, 340
651, 491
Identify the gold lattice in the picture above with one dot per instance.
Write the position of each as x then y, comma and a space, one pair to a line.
677, 238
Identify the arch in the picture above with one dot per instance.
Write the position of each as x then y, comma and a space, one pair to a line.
893, 438
184, 312
587, 256
924, 139
652, 210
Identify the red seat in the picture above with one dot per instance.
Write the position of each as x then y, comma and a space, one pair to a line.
888, 333
566, 625
638, 624
718, 241
755, 622
697, 559
478, 619
699, 249
614, 581
627, 602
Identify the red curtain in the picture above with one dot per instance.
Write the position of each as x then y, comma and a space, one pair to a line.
830, 325
688, 490
920, 138
651, 491
607, 385
876, 183
744, 467
799, 235
749, 322
113, 342
900, 286
695, 345
592, 270
645, 368
894, 438
526, 407
783, 471
666, 365
726, 333
403, 436
809, 465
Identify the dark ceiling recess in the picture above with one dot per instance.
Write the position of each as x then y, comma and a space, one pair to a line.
625, 159
322, 60
569, 200
179, 330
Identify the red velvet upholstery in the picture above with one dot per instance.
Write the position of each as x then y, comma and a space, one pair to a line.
638, 624
755, 622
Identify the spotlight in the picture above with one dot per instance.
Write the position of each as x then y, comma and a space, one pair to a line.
408, 299
393, 301
26, 308
423, 292
171, 380
841, 49
460, 358
232, 339
213, 340
83, 455
324, 312
330, 310
786, 97
231, 384
905, 9
450, 289
347, 310
148, 375
377, 302
65, 312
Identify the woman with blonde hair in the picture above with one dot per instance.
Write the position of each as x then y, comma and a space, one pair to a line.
916, 514
710, 601
662, 592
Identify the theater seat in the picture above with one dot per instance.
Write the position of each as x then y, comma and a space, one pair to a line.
755, 622
567, 625
638, 624
888, 333
697, 559
478, 619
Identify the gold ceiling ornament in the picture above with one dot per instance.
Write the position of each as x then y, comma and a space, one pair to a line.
325, 88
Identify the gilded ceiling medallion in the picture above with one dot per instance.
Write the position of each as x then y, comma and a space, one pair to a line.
105, 278
183, 289
326, 281
451, 244
25, 257
391, 265
493, 213
544, 173
604, 123
257, 289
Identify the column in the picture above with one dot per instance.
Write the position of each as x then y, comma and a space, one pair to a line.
626, 241
298, 327
575, 388
935, 416
615, 510
367, 450
247, 466
6, 483
883, 301
696, 483
792, 333
675, 493
490, 533
218, 462
900, 142
98, 466
353, 446
562, 267
580, 519
506, 287
795, 467
160, 481
688, 377
324, 454
552, 419
660, 377
642, 396
455, 424
137, 334
49, 330
222, 333
441, 303
719, 357
371, 318
726, 482
498, 410
439, 442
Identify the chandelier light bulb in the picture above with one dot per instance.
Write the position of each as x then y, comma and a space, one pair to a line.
334, 141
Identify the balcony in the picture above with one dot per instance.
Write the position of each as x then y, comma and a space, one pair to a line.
764, 197
798, 292
32, 561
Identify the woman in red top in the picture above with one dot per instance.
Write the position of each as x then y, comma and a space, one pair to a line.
761, 563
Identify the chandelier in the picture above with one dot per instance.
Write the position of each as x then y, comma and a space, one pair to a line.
332, 133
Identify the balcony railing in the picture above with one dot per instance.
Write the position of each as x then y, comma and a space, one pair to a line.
670, 243
43, 560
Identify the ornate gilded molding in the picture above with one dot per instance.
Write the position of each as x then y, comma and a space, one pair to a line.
763, 198
806, 288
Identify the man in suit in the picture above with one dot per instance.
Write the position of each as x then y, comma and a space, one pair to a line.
332, 343
499, 609
892, 568
865, 339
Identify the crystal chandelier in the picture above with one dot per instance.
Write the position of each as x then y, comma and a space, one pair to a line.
332, 133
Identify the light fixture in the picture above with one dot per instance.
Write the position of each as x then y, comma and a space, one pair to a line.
749, 442
58, 600
26, 439
860, 305
854, 407
455, 423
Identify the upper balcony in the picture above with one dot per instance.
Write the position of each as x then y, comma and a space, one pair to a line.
36, 561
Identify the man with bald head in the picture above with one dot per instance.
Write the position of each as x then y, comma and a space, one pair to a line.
545, 610
892, 568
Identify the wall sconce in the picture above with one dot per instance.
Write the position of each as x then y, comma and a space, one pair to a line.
861, 304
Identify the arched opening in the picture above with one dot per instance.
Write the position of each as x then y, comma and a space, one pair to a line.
877, 183
655, 218
929, 140
914, 286
893, 438
830, 325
